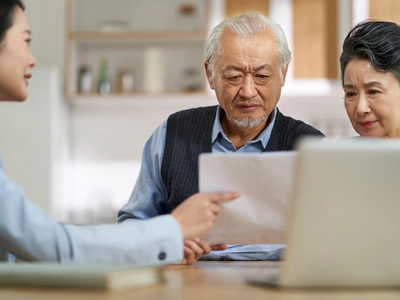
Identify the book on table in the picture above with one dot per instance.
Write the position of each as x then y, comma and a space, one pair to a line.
108, 277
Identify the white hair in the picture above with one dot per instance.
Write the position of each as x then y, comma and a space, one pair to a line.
247, 26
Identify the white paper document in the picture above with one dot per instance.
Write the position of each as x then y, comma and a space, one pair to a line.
265, 182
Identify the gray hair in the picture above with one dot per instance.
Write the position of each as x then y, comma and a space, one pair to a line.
378, 41
247, 26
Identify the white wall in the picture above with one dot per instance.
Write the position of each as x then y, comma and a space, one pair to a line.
108, 140
25, 143
46, 20
34, 141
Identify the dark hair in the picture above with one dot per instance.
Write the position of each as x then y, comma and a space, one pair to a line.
7, 14
378, 41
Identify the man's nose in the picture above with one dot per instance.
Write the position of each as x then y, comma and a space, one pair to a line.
248, 87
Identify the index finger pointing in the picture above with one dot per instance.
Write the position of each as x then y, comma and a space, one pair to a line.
223, 196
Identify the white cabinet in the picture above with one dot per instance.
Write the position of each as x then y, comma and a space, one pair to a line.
159, 45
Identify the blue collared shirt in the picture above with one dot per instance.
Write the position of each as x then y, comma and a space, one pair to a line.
149, 195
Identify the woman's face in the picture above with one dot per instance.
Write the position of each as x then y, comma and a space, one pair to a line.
16, 60
372, 100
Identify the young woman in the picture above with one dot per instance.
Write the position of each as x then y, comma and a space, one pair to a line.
28, 232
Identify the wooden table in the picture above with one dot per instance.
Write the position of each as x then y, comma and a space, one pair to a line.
204, 280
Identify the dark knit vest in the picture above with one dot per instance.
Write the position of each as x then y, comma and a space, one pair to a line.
189, 134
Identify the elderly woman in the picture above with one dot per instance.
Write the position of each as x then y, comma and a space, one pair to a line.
28, 232
370, 70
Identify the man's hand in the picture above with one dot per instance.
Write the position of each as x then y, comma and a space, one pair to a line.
196, 215
195, 248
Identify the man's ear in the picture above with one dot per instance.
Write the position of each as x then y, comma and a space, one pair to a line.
284, 72
209, 75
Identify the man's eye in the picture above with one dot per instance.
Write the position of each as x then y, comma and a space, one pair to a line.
349, 95
235, 79
260, 78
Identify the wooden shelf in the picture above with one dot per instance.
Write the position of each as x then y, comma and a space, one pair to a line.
95, 101
136, 35
164, 51
112, 96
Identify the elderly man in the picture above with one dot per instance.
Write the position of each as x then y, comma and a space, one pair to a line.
247, 58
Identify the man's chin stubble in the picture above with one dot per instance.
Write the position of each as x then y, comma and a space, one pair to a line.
248, 123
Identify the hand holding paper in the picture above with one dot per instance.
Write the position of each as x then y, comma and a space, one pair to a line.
265, 183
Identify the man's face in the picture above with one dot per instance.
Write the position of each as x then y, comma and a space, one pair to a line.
247, 80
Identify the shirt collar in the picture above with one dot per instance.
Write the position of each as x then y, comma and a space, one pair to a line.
263, 137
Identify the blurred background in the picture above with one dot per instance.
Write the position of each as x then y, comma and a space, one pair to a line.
110, 71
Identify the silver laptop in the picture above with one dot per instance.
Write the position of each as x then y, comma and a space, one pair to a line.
344, 223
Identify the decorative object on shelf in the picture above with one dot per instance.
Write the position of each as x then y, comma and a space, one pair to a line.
187, 9
113, 25
191, 81
125, 81
85, 79
156, 40
186, 16
154, 70
104, 79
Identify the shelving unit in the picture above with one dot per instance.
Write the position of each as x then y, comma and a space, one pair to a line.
161, 44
